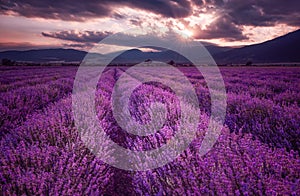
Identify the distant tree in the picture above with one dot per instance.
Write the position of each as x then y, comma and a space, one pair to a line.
7, 62
171, 62
249, 63
148, 60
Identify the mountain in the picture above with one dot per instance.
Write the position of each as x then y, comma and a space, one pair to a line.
279, 50
137, 56
215, 49
44, 55
71, 55
283, 49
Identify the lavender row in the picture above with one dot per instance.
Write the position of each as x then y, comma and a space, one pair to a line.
261, 101
16, 105
237, 165
20, 74
46, 156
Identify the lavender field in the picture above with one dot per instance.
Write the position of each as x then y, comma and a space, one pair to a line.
257, 152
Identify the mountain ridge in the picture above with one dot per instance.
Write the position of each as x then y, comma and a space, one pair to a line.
285, 48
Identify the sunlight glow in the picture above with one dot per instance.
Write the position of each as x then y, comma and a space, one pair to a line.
187, 33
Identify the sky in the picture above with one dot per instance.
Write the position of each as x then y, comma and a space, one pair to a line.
78, 24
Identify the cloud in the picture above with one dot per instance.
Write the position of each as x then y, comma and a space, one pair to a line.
136, 22
259, 12
231, 15
81, 10
130, 38
171, 8
234, 14
63, 10
81, 46
223, 27
81, 37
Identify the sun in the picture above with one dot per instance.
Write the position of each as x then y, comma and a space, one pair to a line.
187, 33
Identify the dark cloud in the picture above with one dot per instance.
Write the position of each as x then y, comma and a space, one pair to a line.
63, 10
167, 8
223, 28
233, 14
81, 46
250, 12
136, 22
118, 16
81, 37
81, 10
129, 38
259, 12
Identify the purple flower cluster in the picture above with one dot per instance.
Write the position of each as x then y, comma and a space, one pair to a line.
265, 102
20, 96
256, 154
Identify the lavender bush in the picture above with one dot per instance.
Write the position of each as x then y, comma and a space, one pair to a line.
256, 154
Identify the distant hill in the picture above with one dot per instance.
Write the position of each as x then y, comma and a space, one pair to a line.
44, 55
215, 49
71, 55
282, 49
137, 56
